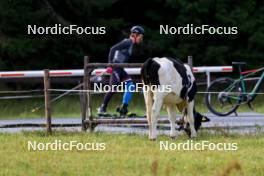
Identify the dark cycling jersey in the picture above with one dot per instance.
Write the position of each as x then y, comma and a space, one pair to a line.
121, 52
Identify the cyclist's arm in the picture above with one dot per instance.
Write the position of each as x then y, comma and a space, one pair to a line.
119, 46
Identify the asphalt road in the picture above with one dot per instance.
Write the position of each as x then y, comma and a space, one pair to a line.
243, 123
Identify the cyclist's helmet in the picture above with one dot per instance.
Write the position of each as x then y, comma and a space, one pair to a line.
137, 29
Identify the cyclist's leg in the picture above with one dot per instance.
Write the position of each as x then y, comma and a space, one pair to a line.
114, 80
129, 88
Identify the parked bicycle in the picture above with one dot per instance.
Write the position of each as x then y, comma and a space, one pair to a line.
225, 95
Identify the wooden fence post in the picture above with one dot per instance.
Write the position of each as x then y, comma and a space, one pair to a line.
81, 96
89, 99
47, 101
85, 88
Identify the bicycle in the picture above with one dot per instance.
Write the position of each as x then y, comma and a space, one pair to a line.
224, 95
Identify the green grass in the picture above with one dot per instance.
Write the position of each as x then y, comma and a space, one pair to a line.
69, 106
129, 155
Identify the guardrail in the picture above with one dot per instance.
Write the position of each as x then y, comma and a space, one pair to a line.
80, 72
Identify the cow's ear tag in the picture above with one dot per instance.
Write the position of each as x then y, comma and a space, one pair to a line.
205, 119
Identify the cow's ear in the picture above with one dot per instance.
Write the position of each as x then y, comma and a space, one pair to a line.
205, 119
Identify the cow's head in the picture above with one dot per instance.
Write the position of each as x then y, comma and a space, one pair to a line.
198, 120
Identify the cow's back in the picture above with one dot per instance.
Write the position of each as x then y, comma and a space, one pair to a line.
167, 71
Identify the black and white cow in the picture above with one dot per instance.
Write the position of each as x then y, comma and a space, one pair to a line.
163, 72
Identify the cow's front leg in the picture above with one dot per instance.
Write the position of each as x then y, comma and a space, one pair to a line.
172, 117
158, 101
190, 117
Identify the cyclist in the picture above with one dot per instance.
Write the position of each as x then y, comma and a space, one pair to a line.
120, 53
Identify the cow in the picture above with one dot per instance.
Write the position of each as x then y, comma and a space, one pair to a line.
163, 72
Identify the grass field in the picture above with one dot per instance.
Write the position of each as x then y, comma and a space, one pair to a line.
130, 155
70, 106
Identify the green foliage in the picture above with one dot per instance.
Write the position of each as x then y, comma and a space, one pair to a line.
21, 51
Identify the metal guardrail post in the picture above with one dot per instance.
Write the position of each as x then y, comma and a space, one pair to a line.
190, 61
208, 78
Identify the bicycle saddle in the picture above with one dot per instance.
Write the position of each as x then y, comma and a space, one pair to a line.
239, 63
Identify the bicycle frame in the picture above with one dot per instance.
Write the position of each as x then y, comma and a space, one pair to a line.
241, 80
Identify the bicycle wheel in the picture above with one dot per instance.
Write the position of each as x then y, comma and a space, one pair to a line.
223, 97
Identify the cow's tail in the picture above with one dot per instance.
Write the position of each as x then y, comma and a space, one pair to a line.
144, 71
149, 72
147, 93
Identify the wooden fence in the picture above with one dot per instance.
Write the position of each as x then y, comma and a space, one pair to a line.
88, 119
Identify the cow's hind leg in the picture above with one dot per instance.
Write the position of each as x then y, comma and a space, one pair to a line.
158, 101
172, 117
149, 103
190, 118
